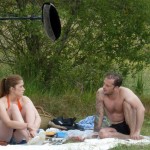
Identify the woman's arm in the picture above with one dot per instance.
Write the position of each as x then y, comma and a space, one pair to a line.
8, 122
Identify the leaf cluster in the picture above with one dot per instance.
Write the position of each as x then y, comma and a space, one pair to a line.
97, 36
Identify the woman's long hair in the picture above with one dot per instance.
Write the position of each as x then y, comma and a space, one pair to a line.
7, 83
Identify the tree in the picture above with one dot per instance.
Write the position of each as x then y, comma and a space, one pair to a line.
97, 36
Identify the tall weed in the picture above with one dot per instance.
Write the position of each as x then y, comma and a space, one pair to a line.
139, 88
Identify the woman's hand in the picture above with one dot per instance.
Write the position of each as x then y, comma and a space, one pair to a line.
32, 130
33, 133
30, 127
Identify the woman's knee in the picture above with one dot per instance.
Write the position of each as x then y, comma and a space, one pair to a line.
13, 108
26, 106
27, 111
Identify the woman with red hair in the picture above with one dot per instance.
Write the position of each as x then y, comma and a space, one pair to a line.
19, 119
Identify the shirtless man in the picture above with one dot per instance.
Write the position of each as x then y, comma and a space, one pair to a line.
19, 119
122, 107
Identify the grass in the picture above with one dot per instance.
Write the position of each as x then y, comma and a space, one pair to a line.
133, 147
67, 105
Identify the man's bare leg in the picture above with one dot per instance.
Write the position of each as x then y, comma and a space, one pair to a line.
112, 133
130, 116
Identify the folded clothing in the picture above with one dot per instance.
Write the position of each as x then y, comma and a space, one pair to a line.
88, 122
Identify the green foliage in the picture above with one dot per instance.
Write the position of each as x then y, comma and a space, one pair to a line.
110, 39
4, 70
97, 36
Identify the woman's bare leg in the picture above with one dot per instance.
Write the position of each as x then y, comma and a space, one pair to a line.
6, 132
16, 115
28, 115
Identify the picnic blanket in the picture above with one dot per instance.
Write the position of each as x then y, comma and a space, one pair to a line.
88, 144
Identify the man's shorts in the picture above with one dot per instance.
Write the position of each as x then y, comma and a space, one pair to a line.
121, 128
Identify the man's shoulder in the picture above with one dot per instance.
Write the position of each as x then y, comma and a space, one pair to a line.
127, 93
125, 89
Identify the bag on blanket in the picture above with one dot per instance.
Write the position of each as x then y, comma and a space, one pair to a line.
69, 123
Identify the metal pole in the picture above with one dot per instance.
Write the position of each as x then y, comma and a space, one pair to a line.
21, 18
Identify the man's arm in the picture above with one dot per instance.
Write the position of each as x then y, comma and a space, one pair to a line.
99, 112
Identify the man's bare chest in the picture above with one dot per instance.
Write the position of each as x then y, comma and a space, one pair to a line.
114, 105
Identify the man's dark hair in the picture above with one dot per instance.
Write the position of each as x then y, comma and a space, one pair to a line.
117, 78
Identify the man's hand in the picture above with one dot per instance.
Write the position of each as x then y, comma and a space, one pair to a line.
96, 124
